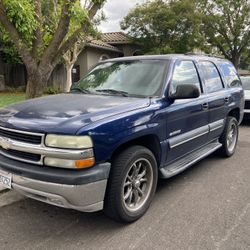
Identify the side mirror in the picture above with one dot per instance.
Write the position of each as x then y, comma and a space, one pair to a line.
185, 91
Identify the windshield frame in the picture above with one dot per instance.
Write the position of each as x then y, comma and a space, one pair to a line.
160, 92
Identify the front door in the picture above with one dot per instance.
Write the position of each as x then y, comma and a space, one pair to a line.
187, 126
75, 73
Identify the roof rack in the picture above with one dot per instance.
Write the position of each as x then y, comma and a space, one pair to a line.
208, 55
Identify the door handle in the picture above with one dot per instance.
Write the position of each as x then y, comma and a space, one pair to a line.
226, 99
205, 106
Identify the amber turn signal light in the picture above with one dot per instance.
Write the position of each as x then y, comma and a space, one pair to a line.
84, 163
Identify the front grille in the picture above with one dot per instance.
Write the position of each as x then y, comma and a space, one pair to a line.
22, 155
15, 141
21, 136
247, 104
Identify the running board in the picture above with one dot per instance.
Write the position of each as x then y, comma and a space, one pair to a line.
184, 163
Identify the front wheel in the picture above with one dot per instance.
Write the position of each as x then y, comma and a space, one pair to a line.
132, 184
229, 138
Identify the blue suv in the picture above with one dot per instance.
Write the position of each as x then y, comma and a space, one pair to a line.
128, 122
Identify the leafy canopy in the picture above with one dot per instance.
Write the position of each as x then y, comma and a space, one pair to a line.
164, 26
25, 18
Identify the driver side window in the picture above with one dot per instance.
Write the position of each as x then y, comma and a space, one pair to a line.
184, 73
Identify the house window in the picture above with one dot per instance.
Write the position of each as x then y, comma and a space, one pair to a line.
103, 58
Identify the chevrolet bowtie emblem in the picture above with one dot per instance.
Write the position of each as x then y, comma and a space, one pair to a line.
5, 143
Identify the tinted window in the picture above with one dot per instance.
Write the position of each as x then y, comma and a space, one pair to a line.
211, 76
230, 74
184, 73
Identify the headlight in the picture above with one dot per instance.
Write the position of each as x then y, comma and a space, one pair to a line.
69, 142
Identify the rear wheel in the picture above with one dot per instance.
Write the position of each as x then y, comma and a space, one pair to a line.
132, 184
229, 138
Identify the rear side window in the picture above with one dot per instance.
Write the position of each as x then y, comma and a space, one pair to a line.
184, 73
211, 76
230, 74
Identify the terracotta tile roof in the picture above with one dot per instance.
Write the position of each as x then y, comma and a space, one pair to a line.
116, 38
101, 44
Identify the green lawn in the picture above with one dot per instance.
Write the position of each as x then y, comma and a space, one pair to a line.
9, 98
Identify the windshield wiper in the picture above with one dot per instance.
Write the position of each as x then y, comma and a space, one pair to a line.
84, 91
113, 91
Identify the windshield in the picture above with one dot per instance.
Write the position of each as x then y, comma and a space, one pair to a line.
246, 82
140, 78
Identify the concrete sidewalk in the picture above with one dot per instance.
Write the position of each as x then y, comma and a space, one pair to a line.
2, 188
7, 196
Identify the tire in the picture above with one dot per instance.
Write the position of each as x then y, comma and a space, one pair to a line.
229, 137
132, 184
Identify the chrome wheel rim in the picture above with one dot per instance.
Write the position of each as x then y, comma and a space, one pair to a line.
232, 137
137, 185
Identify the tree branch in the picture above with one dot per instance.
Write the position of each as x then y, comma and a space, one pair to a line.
245, 42
38, 32
21, 46
61, 32
84, 29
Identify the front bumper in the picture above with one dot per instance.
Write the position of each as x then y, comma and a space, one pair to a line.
82, 190
247, 114
85, 198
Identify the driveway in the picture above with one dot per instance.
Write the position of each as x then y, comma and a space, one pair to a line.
206, 207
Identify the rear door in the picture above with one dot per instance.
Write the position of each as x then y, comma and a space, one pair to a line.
187, 119
218, 98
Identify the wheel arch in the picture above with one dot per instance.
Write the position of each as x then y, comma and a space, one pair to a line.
150, 141
235, 113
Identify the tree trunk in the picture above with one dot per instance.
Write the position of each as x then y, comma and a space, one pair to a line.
36, 82
236, 59
68, 83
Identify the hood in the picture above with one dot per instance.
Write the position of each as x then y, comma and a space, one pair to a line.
247, 94
66, 113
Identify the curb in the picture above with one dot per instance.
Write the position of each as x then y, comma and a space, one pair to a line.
2, 189
8, 197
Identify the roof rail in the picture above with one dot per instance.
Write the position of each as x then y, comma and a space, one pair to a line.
208, 55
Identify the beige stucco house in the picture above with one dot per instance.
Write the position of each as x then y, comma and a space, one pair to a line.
111, 45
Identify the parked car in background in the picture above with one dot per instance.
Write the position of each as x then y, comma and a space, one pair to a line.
128, 121
246, 86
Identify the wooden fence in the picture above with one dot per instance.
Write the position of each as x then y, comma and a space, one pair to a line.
15, 75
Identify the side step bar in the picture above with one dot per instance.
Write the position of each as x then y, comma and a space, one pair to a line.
184, 163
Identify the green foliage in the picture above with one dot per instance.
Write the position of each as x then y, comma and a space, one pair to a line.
10, 53
225, 24
220, 26
164, 26
52, 91
22, 15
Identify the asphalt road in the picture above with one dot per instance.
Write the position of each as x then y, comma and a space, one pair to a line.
206, 207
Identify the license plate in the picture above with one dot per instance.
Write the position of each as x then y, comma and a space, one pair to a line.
5, 179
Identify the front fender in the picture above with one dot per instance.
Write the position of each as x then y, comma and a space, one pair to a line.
109, 134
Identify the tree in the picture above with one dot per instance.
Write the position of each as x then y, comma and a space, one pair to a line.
226, 26
42, 37
164, 26
70, 57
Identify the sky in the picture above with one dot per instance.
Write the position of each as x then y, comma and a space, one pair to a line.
114, 11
